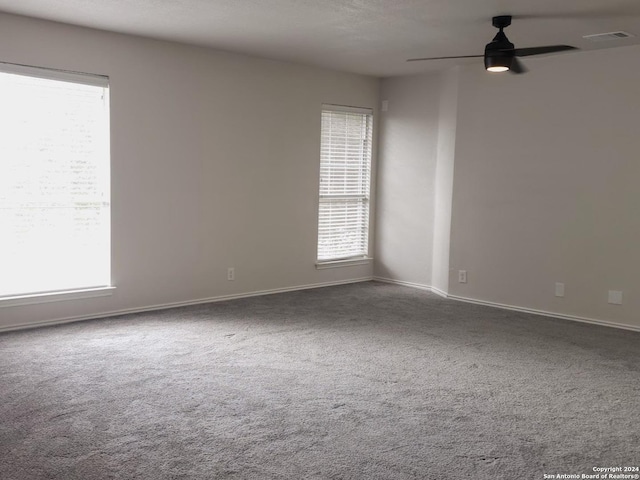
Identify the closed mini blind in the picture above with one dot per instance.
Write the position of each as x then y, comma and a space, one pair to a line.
345, 183
54, 181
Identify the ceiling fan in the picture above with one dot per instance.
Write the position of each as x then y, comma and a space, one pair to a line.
501, 55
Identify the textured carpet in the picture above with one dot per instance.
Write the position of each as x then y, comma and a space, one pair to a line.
365, 381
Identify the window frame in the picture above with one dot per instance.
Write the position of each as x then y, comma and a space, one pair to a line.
362, 258
86, 291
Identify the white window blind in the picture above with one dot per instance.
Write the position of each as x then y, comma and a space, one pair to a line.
54, 181
345, 183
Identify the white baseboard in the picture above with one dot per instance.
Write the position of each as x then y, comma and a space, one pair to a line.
419, 286
515, 308
544, 313
165, 306
442, 293
222, 298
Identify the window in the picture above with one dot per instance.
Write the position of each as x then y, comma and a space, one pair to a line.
345, 183
54, 181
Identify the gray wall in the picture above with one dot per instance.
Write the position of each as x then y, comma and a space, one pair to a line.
444, 172
406, 179
545, 185
215, 163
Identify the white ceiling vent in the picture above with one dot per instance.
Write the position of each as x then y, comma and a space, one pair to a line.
604, 37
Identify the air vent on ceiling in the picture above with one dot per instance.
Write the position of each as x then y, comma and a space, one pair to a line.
604, 37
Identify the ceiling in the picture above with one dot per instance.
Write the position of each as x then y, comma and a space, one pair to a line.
372, 37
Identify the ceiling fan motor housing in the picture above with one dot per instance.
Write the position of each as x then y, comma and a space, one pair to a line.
499, 52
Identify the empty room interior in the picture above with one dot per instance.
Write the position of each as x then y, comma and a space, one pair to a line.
334, 240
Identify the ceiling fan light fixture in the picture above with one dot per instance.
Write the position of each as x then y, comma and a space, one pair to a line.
497, 63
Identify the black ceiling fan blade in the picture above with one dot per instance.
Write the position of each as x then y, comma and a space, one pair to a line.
517, 66
527, 52
443, 58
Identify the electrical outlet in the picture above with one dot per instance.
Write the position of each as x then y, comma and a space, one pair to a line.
231, 274
615, 297
559, 289
462, 276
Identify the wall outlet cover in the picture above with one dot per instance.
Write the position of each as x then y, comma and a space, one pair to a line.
615, 297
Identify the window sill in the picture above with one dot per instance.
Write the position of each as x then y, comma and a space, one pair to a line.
350, 262
61, 296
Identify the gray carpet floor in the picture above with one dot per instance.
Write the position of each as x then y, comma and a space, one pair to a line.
364, 381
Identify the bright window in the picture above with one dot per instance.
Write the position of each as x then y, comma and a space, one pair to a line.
345, 183
54, 181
